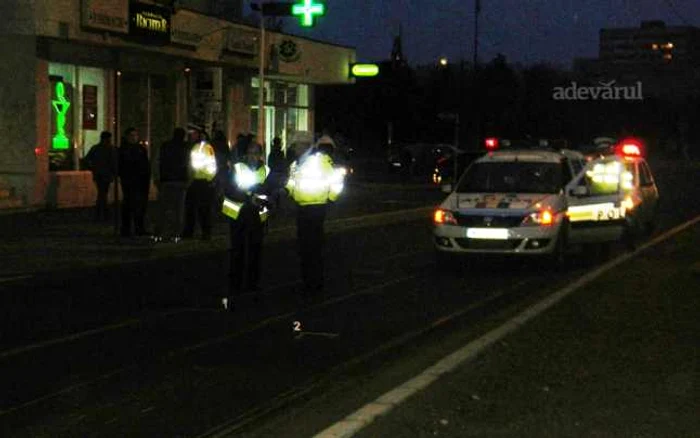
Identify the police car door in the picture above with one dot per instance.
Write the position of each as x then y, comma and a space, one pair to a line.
595, 211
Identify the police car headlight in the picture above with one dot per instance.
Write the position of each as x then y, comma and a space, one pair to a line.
539, 218
444, 217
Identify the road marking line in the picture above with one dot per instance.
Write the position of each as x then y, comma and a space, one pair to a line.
227, 428
362, 417
95, 331
322, 334
276, 318
10, 279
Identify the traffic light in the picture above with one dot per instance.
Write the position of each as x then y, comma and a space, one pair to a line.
358, 70
276, 9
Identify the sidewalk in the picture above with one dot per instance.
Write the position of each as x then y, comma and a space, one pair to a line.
618, 358
45, 241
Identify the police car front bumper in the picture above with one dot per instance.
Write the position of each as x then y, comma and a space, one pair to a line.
524, 240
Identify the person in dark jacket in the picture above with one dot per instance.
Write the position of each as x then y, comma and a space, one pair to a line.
102, 161
278, 170
223, 157
135, 175
245, 206
173, 174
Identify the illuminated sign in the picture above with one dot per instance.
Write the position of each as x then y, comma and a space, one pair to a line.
307, 10
89, 107
149, 22
363, 70
60, 106
106, 15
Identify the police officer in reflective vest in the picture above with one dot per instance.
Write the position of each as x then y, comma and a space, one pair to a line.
313, 183
199, 200
246, 205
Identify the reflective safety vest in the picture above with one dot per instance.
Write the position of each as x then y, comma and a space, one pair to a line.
203, 161
244, 178
606, 176
315, 180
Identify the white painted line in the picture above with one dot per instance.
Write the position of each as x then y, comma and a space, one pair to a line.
14, 278
38, 345
361, 418
322, 334
76, 336
229, 427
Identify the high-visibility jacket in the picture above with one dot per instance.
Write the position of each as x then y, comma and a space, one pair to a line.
244, 180
203, 161
314, 180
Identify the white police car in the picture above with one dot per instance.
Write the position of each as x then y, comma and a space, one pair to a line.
509, 202
538, 202
614, 198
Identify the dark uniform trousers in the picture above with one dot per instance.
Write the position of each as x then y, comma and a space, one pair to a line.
246, 238
199, 202
310, 220
134, 207
101, 208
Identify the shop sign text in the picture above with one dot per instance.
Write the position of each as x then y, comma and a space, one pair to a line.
149, 22
108, 15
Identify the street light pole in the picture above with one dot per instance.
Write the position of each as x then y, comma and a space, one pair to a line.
477, 10
261, 82
456, 154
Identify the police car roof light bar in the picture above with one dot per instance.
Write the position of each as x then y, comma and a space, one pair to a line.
491, 143
630, 148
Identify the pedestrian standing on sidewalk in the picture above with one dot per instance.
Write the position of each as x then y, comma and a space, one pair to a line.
173, 179
102, 161
245, 204
313, 184
278, 170
223, 157
199, 200
135, 176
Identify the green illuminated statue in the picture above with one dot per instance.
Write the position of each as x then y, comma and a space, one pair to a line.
61, 105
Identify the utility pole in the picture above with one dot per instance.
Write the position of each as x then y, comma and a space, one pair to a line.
477, 11
261, 82
306, 10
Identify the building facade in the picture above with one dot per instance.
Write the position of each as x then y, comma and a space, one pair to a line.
653, 43
74, 68
665, 60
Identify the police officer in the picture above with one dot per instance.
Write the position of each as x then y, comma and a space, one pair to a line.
245, 204
201, 192
313, 183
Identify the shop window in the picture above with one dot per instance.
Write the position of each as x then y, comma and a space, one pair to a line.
286, 109
76, 113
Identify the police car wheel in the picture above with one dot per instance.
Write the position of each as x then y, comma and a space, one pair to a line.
558, 256
630, 234
650, 225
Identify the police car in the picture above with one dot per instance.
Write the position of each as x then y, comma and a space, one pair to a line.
526, 201
615, 198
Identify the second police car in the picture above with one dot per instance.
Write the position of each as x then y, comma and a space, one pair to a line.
540, 201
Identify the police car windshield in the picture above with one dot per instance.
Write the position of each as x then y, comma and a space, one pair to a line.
512, 177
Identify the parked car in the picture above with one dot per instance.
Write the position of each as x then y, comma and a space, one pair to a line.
419, 160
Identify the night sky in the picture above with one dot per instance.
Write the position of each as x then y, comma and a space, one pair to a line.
526, 31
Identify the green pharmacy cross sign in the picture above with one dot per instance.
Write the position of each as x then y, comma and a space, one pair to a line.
306, 10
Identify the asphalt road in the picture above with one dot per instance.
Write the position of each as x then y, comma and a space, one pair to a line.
144, 351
